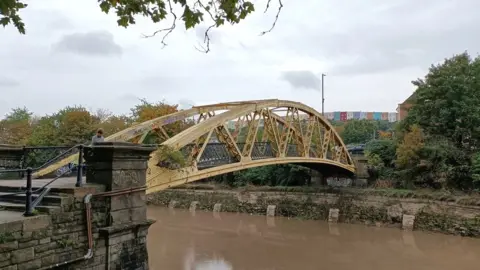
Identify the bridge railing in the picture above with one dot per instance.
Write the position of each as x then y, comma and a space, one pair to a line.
27, 172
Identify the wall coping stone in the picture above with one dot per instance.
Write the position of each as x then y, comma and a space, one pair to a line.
125, 227
113, 151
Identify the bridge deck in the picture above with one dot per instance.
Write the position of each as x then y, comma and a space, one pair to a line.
67, 182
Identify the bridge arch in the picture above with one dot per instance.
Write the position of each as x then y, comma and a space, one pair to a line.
315, 140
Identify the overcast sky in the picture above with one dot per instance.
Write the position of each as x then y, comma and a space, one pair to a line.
370, 50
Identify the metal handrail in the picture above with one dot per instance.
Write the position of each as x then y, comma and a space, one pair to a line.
29, 206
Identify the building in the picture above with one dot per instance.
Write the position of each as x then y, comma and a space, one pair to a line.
402, 109
359, 115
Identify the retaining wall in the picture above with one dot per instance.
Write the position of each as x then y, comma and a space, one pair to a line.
417, 214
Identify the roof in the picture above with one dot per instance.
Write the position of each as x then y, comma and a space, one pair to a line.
411, 98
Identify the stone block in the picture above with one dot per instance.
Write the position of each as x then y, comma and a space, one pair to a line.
193, 206
217, 207
23, 255
30, 243
139, 213
395, 212
45, 247
31, 265
333, 215
4, 256
138, 199
172, 204
116, 239
5, 247
36, 223
121, 216
243, 197
408, 222
11, 267
11, 226
49, 260
253, 198
40, 234
63, 218
271, 210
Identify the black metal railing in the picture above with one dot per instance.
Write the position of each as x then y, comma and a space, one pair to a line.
28, 172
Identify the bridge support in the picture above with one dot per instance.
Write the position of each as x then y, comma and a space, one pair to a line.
317, 179
121, 169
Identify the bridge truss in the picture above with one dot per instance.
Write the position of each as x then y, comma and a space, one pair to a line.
228, 137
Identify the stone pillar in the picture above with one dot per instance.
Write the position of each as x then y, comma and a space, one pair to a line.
217, 208
408, 222
271, 210
333, 215
11, 158
316, 178
122, 167
193, 206
172, 204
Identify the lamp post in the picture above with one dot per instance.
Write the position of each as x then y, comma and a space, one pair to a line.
323, 98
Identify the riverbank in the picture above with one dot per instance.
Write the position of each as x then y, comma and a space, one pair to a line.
432, 211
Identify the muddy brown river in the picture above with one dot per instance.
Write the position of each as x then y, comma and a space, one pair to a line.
181, 240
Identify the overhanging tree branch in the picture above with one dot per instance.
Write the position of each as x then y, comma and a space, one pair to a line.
219, 11
280, 6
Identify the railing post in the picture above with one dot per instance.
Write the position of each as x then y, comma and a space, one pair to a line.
23, 162
79, 166
28, 193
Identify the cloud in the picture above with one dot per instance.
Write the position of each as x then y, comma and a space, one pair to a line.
391, 36
303, 79
96, 43
185, 103
7, 82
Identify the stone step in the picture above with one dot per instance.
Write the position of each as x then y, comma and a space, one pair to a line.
14, 189
49, 199
21, 207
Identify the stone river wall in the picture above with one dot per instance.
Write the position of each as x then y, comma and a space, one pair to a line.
407, 213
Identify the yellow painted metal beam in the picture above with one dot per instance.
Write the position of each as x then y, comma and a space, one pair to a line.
159, 178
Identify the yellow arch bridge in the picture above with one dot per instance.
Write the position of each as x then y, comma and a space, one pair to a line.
227, 137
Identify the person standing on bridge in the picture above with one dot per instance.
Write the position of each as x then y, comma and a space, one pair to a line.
98, 137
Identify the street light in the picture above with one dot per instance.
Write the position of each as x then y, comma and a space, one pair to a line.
323, 98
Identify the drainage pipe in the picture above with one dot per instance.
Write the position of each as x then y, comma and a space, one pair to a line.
88, 215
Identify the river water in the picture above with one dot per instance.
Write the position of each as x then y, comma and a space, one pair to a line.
181, 240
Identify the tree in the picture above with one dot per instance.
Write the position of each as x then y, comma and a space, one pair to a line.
358, 131
447, 102
114, 124
476, 170
147, 111
384, 149
408, 151
215, 13
69, 126
16, 127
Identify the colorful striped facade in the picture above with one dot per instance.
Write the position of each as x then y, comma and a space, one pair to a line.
345, 116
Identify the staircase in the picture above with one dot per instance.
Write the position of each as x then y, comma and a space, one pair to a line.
10, 201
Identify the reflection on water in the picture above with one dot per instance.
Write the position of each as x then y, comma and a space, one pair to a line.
181, 240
